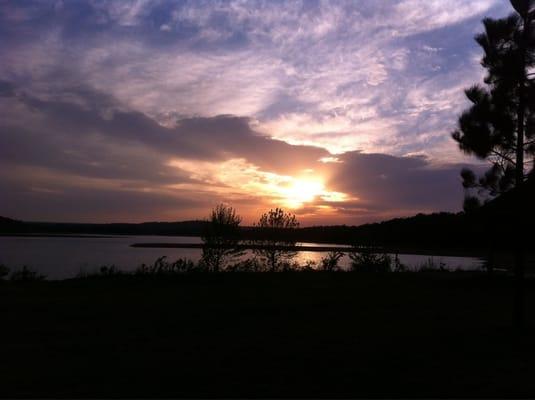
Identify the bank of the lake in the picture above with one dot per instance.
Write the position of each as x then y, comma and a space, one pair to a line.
63, 257
266, 335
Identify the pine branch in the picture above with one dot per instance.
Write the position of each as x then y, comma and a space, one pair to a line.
504, 156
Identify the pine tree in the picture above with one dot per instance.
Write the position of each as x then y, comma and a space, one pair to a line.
499, 126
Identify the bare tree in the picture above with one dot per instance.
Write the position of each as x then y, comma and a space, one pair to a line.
221, 238
277, 248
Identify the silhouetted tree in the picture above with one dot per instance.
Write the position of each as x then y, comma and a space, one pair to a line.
499, 126
221, 238
276, 250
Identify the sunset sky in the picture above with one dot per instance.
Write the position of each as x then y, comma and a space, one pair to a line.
157, 110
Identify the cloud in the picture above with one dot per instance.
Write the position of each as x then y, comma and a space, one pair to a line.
89, 152
349, 101
353, 69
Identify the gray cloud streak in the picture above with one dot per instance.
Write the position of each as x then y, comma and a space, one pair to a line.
99, 97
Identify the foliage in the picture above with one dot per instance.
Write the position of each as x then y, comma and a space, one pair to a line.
26, 275
364, 260
499, 126
309, 265
430, 265
221, 238
162, 267
276, 251
398, 266
330, 261
111, 270
248, 265
4, 271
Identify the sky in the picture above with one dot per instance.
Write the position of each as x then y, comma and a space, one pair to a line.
337, 111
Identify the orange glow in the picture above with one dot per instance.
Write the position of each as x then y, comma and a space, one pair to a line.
238, 178
300, 191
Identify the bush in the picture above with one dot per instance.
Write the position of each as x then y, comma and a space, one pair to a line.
162, 267
111, 270
4, 272
431, 265
330, 261
308, 266
249, 265
364, 260
398, 266
26, 275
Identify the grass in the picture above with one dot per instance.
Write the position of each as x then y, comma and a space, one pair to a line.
265, 335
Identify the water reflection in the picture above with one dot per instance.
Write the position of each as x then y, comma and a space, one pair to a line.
65, 257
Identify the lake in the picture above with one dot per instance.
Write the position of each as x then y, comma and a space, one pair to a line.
66, 257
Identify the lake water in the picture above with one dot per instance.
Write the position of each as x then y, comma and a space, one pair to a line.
65, 257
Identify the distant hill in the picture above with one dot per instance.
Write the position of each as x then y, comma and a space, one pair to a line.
187, 228
8, 222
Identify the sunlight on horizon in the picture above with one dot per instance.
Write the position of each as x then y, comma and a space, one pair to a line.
241, 178
300, 191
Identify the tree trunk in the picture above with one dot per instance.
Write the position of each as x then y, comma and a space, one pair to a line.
519, 308
518, 302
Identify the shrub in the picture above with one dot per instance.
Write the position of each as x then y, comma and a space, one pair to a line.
364, 260
4, 272
398, 266
26, 275
330, 261
162, 267
248, 265
308, 266
431, 265
111, 270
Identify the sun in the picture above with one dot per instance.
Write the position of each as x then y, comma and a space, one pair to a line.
300, 191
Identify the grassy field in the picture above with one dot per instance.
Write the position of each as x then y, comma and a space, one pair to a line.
265, 335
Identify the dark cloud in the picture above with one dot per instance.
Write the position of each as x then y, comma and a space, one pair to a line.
365, 64
94, 122
384, 182
78, 204
84, 83
93, 140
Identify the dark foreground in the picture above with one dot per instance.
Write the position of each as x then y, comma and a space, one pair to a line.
265, 335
